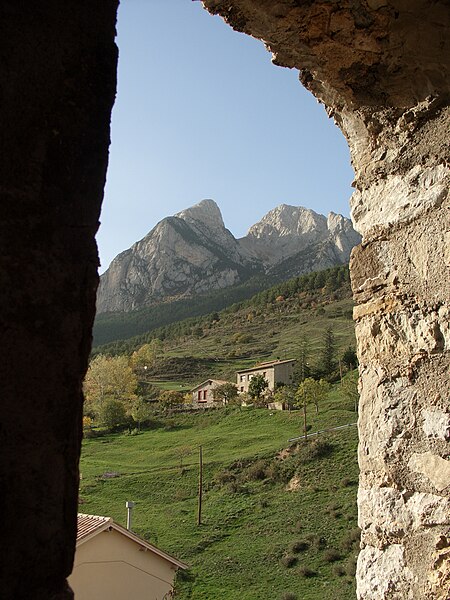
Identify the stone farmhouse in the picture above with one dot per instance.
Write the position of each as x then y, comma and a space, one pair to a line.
278, 371
202, 394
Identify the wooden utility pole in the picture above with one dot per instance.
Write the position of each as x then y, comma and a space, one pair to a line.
200, 486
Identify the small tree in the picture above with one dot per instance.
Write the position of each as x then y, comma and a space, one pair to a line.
112, 414
140, 411
286, 395
328, 355
349, 388
257, 386
349, 359
146, 355
225, 393
109, 378
182, 452
310, 391
170, 398
302, 369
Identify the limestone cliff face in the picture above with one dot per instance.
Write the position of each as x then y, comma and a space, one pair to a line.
290, 240
192, 253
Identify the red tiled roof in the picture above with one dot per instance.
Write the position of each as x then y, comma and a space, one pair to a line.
267, 365
218, 381
88, 524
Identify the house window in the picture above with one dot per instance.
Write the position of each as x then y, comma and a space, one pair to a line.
264, 373
242, 377
205, 392
242, 388
199, 395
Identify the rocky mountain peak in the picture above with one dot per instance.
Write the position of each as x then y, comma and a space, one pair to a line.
193, 253
286, 220
206, 212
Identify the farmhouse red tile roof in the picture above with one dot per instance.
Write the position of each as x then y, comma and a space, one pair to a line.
218, 381
87, 524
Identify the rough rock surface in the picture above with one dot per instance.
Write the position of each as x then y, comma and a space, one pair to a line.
289, 232
188, 253
193, 253
381, 67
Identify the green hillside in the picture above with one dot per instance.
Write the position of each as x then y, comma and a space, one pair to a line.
156, 321
123, 325
275, 323
257, 540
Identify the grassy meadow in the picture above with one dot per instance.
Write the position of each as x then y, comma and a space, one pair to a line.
257, 540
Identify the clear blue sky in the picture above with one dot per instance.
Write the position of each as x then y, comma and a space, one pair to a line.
201, 112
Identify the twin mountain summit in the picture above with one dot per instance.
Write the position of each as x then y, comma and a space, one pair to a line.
193, 253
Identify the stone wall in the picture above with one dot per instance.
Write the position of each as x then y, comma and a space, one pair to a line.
381, 67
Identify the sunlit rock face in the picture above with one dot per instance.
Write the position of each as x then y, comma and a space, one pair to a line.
189, 253
381, 67
193, 253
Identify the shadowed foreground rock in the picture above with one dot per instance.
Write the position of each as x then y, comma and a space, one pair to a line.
57, 73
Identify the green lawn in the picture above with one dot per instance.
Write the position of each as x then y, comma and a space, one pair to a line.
251, 522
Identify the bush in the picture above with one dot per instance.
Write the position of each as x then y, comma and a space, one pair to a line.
225, 476
236, 488
288, 561
281, 471
256, 471
338, 570
306, 572
347, 482
299, 546
317, 542
316, 449
331, 555
112, 414
351, 540
350, 567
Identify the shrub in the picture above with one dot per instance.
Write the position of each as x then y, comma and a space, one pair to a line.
350, 567
338, 570
234, 487
299, 546
112, 414
288, 560
256, 471
170, 425
306, 572
317, 542
331, 555
347, 482
351, 540
225, 476
316, 449
281, 471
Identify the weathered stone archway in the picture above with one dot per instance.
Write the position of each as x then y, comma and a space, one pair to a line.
382, 69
